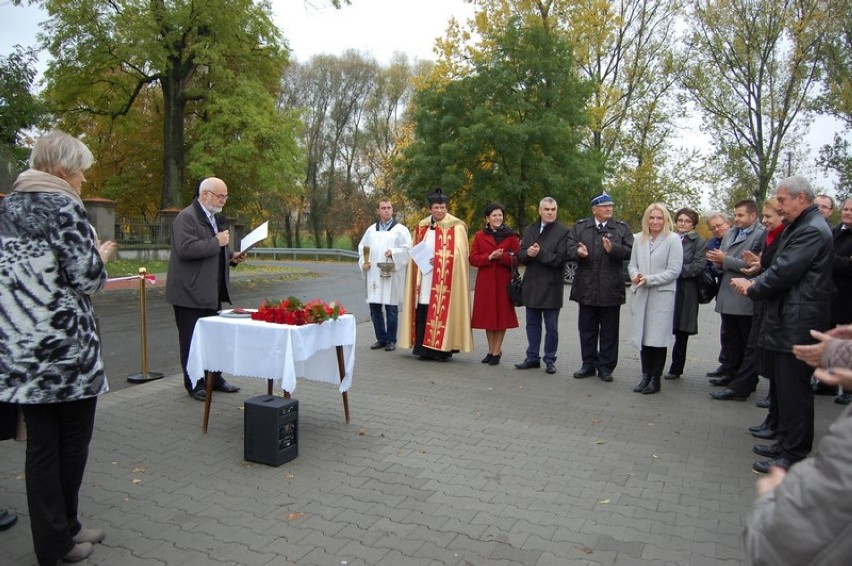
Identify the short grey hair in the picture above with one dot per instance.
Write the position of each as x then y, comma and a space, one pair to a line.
716, 214
56, 150
547, 200
796, 185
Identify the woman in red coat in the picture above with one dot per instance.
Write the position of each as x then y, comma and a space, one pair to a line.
492, 253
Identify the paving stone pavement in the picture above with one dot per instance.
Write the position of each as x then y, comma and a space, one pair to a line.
455, 463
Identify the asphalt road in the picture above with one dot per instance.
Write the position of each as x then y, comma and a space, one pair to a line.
119, 314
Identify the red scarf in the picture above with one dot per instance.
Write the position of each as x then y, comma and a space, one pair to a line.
770, 237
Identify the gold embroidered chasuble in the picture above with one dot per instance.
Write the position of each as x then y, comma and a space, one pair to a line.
448, 319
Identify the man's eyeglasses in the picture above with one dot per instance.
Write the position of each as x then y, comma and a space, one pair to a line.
223, 198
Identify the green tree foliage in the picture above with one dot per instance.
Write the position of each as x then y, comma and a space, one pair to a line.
623, 50
203, 68
352, 109
837, 98
20, 110
752, 66
509, 129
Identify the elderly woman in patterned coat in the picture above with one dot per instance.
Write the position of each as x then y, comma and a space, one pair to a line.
50, 354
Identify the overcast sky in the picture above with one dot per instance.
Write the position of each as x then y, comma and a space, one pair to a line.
377, 27
380, 27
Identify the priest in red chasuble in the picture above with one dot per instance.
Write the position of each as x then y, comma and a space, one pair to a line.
436, 306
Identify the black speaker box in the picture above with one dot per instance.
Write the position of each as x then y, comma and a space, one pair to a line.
272, 430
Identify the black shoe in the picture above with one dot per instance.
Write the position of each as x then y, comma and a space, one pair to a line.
728, 395
653, 386
765, 434
7, 519
551, 368
605, 375
820, 388
224, 386
763, 402
199, 394
527, 364
721, 381
643, 383
672, 376
762, 426
718, 372
768, 450
843, 399
495, 360
585, 371
391, 346
486, 359
763, 467
378, 345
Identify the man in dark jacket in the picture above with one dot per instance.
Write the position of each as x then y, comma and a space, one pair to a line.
796, 292
841, 306
198, 276
543, 252
600, 246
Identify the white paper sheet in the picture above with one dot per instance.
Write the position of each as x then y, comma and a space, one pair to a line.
422, 255
255, 237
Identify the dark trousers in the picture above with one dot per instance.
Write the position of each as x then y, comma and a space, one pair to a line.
681, 339
598, 328
420, 316
791, 380
551, 333
384, 332
734, 334
653, 360
186, 318
58, 436
746, 379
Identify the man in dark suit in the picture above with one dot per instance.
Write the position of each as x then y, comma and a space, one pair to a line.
543, 252
198, 275
600, 245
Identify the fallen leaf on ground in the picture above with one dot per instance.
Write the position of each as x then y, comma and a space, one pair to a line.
294, 516
599, 441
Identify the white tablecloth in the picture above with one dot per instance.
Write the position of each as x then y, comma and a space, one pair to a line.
252, 348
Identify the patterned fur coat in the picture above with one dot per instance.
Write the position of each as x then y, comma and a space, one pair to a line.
49, 264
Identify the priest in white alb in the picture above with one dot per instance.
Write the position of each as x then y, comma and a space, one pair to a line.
383, 259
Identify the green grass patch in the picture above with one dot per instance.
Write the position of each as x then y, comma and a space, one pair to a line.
123, 268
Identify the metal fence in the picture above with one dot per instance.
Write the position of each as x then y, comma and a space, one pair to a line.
293, 253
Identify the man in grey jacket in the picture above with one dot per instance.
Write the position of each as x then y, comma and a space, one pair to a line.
736, 310
198, 276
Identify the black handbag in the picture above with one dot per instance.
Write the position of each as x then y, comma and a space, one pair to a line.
515, 285
708, 287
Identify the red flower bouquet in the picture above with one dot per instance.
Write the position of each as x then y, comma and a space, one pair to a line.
292, 311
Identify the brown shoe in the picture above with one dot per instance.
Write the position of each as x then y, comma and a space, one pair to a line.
81, 551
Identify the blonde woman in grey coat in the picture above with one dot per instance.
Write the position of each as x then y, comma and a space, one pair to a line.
655, 264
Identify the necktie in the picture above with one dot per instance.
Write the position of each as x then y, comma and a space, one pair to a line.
600, 226
212, 220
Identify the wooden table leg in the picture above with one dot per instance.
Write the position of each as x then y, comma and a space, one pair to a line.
342, 370
208, 378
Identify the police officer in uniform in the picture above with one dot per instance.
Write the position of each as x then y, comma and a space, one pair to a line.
600, 245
